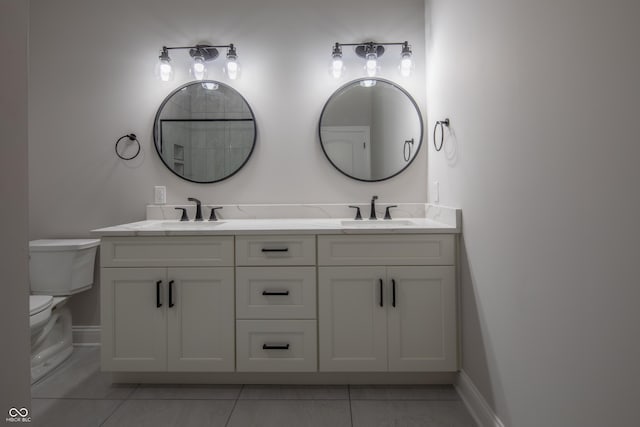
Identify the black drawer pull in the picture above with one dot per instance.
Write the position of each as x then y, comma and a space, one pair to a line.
393, 288
275, 249
381, 294
275, 346
171, 304
281, 293
158, 303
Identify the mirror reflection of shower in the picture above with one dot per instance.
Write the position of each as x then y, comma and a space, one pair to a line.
204, 131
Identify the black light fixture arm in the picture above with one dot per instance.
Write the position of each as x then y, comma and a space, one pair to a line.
198, 46
208, 52
364, 48
372, 44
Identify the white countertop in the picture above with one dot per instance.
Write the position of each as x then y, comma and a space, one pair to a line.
276, 226
412, 218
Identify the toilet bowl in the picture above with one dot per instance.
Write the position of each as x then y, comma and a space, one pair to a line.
57, 269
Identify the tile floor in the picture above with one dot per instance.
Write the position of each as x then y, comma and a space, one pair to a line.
77, 394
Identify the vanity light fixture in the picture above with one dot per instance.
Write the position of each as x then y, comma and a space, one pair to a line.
337, 66
232, 67
200, 54
371, 51
406, 64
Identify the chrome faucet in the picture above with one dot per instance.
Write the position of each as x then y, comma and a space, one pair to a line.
198, 208
373, 208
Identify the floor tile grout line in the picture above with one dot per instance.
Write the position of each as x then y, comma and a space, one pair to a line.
178, 399
134, 389
222, 399
234, 406
253, 399
406, 400
350, 408
113, 412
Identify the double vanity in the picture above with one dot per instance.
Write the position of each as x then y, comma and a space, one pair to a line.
309, 293
309, 298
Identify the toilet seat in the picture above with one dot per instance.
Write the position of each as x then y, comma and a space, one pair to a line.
37, 303
39, 309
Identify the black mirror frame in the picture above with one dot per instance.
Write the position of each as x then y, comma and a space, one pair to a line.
157, 116
377, 79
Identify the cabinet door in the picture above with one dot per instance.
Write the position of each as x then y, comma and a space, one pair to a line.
352, 319
134, 328
422, 325
201, 321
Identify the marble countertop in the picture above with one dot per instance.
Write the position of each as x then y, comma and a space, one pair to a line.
428, 219
275, 226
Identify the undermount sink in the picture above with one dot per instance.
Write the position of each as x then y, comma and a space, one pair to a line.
380, 223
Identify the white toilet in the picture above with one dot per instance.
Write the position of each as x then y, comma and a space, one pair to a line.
57, 269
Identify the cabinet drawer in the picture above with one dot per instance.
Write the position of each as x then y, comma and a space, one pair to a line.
416, 249
276, 346
275, 250
175, 251
276, 293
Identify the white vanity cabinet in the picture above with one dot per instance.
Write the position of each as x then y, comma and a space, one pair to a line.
387, 303
314, 304
161, 313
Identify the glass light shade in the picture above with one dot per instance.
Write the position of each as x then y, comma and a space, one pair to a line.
199, 68
232, 68
371, 67
337, 67
406, 65
164, 70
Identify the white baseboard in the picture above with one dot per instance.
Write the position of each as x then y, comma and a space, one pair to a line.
85, 336
476, 403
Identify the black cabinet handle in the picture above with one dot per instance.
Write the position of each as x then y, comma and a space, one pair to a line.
158, 303
381, 294
282, 293
275, 249
393, 292
275, 346
171, 304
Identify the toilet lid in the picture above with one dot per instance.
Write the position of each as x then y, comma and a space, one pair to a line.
38, 303
47, 245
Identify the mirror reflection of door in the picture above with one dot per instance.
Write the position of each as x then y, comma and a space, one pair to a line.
364, 129
350, 146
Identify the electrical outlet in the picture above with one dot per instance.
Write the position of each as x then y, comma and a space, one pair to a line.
436, 191
159, 194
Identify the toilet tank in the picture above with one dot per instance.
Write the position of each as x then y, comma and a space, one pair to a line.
61, 266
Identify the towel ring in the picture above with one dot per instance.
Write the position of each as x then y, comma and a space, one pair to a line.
442, 124
407, 153
132, 137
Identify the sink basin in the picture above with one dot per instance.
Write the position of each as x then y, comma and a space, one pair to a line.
182, 225
380, 223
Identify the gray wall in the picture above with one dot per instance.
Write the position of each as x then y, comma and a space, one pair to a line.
96, 83
14, 304
543, 160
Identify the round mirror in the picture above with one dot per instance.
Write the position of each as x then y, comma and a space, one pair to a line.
204, 131
371, 129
